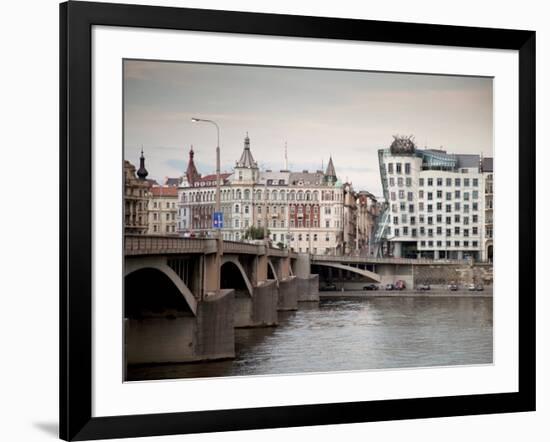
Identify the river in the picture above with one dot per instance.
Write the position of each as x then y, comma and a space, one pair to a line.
354, 334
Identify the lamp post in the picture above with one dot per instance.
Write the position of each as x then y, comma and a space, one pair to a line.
217, 207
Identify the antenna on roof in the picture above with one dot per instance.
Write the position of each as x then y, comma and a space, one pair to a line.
286, 157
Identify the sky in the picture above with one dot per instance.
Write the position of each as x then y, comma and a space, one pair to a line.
348, 115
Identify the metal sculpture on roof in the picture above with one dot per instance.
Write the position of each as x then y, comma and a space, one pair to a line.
403, 144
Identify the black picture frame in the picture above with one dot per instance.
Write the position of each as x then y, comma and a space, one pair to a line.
76, 21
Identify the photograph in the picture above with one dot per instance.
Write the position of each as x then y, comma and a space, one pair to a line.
282, 220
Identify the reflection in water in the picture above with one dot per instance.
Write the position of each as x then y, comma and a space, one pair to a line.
354, 334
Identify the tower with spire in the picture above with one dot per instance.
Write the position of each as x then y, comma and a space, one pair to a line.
246, 168
142, 171
191, 173
330, 173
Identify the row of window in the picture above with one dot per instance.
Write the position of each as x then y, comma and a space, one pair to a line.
422, 231
404, 207
438, 219
449, 182
449, 243
168, 216
167, 229
399, 167
274, 195
168, 205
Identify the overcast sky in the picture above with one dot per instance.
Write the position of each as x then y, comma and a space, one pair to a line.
318, 113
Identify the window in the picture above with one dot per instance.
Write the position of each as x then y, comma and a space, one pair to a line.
448, 182
466, 196
430, 208
421, 219
457, 182
401, 194
457, 230
448, 196
155, 228
422, 231
466, 208
438, 230
430, 196
448, 208
448, 243
457, 243
392, 196
236, 208
400, 182
430, 181
440, 181
421, 206
411, 208
246, 209
465, 220
475, 182
392, 181
466, 182
167, 217
430, 233
405, 231
404, 218
154, 216
396, 220
439, 206
327, 223
457, 193
394, 208
474, 219
457, 206
439, 218
413, 220
475, 195
422, 243
474, 231
390, 167
438, 243
408, 182
421, 194
397, 167
448, 220
408, 168
447, 232
409, 196
474, 243
413, 233
421, 181
402, 206
457, 218
466, 232
430, 220
396, 232
466, 244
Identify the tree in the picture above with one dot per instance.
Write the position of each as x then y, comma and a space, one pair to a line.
255, 233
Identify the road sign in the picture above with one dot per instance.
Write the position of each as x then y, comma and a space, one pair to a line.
217, 220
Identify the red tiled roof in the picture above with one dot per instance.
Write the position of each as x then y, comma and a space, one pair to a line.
164, 191
212, 177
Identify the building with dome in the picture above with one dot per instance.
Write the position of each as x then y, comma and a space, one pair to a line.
435, 203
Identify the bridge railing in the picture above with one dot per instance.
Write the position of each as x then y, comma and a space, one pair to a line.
372, 260
156, 245
159, 245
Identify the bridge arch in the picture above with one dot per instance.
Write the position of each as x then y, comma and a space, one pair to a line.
366, 273
226, 276
273, 270
152, 265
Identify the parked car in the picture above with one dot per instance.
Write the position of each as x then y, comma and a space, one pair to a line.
423, 287
479, 288
453, 287
328, 287
472, 287
389, 287
370, 287
400, 285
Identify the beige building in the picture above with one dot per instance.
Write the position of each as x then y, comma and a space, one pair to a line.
136, 188
163, 210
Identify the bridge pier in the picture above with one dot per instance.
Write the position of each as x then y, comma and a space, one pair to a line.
288, 294
181, 337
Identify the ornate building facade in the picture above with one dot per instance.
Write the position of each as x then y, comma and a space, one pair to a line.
303, 210
136, 189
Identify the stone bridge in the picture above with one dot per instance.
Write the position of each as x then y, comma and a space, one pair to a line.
174, 311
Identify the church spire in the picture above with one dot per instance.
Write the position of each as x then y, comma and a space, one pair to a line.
191, 173
247, 160
142, 171
330, 174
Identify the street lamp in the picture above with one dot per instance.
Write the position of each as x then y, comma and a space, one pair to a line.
218, 199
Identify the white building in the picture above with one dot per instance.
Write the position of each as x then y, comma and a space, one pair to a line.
301, 209
163, 210
435, 202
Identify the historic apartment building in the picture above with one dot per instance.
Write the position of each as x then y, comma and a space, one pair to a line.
163, 210
437, 203
307, 211
136, 189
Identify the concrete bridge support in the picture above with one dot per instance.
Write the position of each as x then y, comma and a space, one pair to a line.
288, 294
183, 338
308, 289
260, 309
